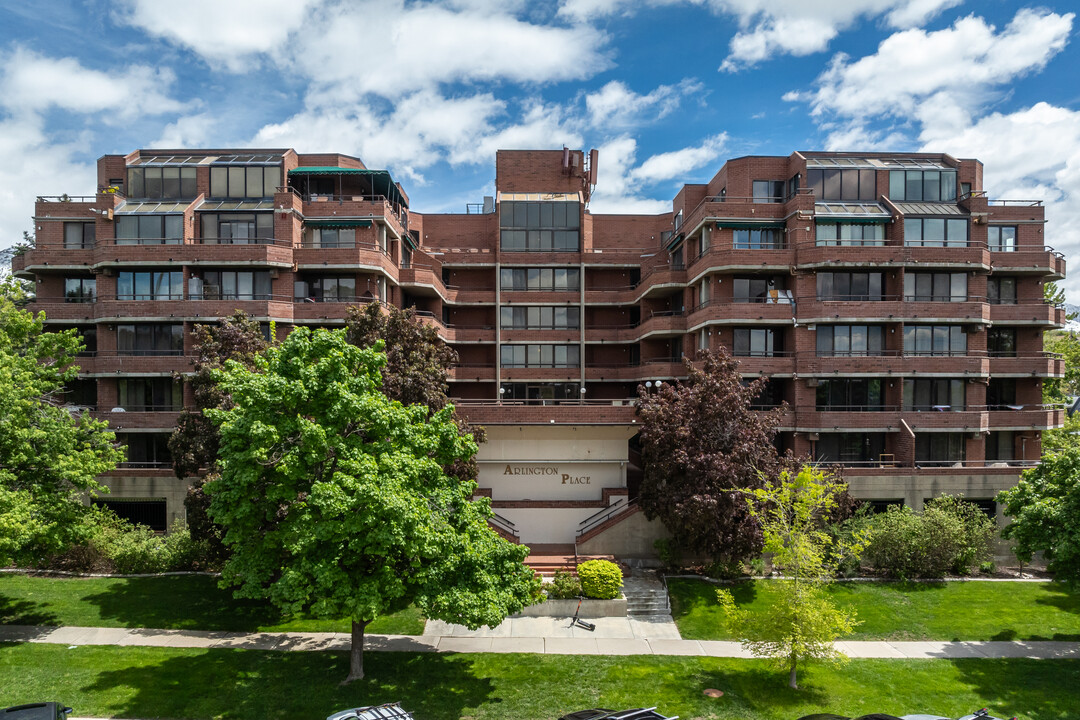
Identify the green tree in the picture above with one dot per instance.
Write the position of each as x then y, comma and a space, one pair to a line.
1045, 511
49, 457
803, 624
335, 501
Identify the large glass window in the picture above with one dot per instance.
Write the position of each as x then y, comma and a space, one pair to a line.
540, 225
540, 279
236, 228
757, 288
922, 185
859, 286
1001, 394
150, 339
146, 450
850, 340
934, 394
759, 239
935, 340
935, 232
1000, 446
758, 342
939, 448
79, 235
935, 287
1001, 342
835, 184
325, 289
244, 181
230, 285
1002, 238
541, 356
845, 447
850, 234
1001, 290
850, 394
151, 394
162, 285
80, 290
167, 183
149, 229
769, 191
542, 317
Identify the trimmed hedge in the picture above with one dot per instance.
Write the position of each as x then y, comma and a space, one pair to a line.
600, 579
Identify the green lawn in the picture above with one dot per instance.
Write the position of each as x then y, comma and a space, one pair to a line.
252, 685
906, 611
185, 602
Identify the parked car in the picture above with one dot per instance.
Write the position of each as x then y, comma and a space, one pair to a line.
982, 714
604, 714
36, 711
389, 711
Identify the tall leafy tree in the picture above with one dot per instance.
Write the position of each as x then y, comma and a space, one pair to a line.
701, 445
1045, 511
803, 623
49, 457
335, 501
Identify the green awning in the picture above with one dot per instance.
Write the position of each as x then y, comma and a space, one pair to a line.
336, 223
748, 225
381, 181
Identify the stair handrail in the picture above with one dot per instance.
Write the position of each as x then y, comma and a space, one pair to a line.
606, 514
503, 524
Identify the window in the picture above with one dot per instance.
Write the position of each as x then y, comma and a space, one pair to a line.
541, 317
770, 396
149, 229
1001, 342
150, 339
935, 287
80, 290
861, 286
756, 288
758, 342
79, 235
850, 234
151, 513
244, 181
325, 289
166, 285
1002, 238
851, 394
769, 191
934, 394
540, 279
540, 393
763, 239
922, 185
230, 285
935, 340
150, 394
540, 226
1000, 446
81, 392
541, 356
832, 184
935, 232
329, 237
236, 228
1001, 394
850, 447
167, 183
146, 450
939, 448
1001, 290
850, 340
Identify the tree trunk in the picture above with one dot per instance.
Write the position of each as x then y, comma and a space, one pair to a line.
791, 674
356, 653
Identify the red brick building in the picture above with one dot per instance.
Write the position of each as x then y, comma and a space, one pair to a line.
897, 310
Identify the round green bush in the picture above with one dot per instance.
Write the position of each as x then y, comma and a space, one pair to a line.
600, 579
563, 586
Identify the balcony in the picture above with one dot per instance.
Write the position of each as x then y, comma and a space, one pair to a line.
1028, 313
111, 362
1034, 364
561, 412
256, 253
725, 312
352, 256
123, 420
1038, 260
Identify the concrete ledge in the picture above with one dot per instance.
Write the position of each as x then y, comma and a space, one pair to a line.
565, 608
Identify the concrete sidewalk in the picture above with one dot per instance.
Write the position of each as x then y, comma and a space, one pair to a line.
78, 636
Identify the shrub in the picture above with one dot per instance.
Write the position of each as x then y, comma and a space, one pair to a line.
600, 579
669, 553
757, 566
563, 586
950, 535
988, 567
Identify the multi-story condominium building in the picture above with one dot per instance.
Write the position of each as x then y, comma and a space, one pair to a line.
897, 311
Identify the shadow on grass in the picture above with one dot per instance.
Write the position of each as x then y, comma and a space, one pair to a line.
688, 595
1061, 598
1033, 689
15, 611
266, 686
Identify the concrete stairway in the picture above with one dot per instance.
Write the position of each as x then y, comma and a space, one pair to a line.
645, 596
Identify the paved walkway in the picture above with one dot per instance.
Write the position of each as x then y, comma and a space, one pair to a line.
573, 645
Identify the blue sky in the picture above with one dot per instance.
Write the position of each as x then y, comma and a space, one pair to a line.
666, 89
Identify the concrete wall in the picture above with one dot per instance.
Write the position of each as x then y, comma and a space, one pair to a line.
631, 538
169, 488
